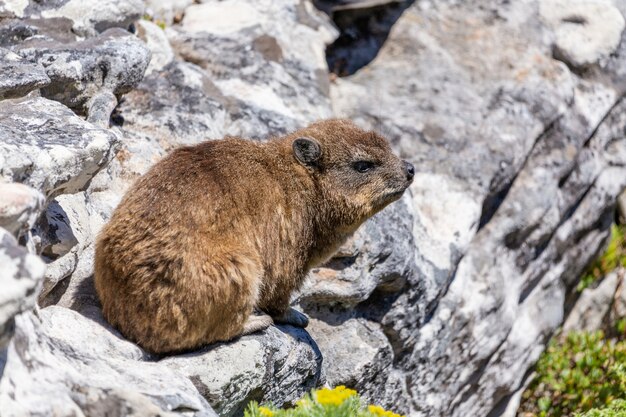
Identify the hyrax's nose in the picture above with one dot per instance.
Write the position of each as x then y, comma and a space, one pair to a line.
410, 170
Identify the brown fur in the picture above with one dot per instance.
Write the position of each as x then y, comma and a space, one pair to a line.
215, 230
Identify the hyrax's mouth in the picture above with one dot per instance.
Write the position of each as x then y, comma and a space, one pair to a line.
394, 194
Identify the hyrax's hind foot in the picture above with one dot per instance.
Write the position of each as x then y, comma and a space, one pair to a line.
256, 324
293, 317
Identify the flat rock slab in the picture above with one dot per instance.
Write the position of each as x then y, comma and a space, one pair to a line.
82, 361
45, 145
277, 366
85, 368
17, 77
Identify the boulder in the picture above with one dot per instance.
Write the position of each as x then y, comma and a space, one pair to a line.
520, 160
46, 146
87, 17
21, 276
88, 75
584, 31
18, 78
276, 366
83, 367
19, 208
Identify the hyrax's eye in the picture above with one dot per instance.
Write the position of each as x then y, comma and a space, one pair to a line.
363, 166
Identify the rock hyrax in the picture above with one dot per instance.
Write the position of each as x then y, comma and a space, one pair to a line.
214, 231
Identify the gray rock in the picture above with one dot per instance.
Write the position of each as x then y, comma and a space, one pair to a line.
45, 145
519, 164
584, 31
356, 351
281, 72
88, 75
21, 275
18, 78
160, 50
19, 208
621, 207
618, 307
590, 313
14, 31
88, 17
83, 367
67, 233
167, 11
278, 366
440, 304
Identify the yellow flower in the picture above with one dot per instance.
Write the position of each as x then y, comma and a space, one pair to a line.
377, 410
334, 396
266, 412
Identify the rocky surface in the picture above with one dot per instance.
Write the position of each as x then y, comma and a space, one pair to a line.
46, 146
512, 112
21, 276
516, 151
19, 208
82, 367
278, 366
599, 307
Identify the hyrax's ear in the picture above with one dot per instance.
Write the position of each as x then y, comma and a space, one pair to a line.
307, 151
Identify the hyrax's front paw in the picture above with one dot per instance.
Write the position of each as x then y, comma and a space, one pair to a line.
293, 317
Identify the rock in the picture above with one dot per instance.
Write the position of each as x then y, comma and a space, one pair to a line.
519, 163
618, 307
20, 279
277, 366
67, 233
621, 207
18, 78
89, 17
356, 352
14, 32
281, 73
19, 208
585, 31
167, 11
46, 146
88, 75
83, 367
439, 305
160, 50
592, 308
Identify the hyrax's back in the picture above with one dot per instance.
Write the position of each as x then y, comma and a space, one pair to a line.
215, 230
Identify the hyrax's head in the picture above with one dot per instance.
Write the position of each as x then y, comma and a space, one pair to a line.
355, 170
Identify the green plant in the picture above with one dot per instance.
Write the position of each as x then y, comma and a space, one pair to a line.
336, 402
582, 372
616, 409
613, 257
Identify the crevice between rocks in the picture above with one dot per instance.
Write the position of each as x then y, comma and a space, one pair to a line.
364, 27
494, 200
